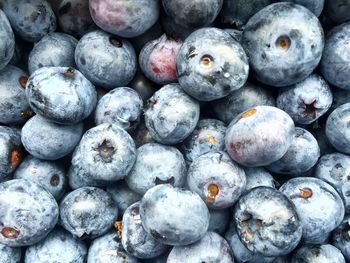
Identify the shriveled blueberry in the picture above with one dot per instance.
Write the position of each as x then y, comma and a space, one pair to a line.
317, 253
143, 85
219, 220
10, 254
61, 94
50, 141
318, 205
171, 115
282, 53
28, 213
259, 136
7, 42
58, 246
338, 10
258, 176
124, 18
156, 164
211, 64
88, 212
106, 60
184, 217
341, 238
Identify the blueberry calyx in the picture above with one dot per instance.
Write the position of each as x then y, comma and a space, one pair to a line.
69, 73
106, 150
115, 41
10, 232
310, 109
207, 61
15, 158
305, 193
283, 43
55, 180
213, 191
23, 81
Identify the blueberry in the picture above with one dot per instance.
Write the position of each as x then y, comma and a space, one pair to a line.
10, 254
318, 253
259, 136
337, 128
171, 115
53, 50
50, 141
318, 205
7, 43
211, 64
106, 60
173, 29
143, 85
338, 10
125, 18
184, 217
58, 246
88, 212
219, 220
281, 52
61, 94
341, 238
28, 213
121, 106
156, 164
258, 177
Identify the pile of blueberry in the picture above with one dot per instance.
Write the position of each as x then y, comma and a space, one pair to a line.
174, 131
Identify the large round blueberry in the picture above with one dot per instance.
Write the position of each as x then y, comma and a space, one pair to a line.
211, 64
10, 254
282, 52
341, 238
267, 222
338, 10
7, 41
174, 216
259, 136
171, 115
28, 213
317, 253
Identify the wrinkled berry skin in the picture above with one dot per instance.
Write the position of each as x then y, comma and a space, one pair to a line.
53, 50
335, 60
300, 157
58, 246
340, 238
249, 96
219, 220
121, 106
210, 248
10, 254
259, 136
211, 64
157, 59
28, 210
192, 14
282, 53
124, 18
61, 94
184, 218
337, 128
156, 164
171, 115
88, 212
258, 177
31, 19
50, 141
318, 253
106, 60
307, 100
338, 10
14, 106
7, 43
267, 222
48, 174
318, 205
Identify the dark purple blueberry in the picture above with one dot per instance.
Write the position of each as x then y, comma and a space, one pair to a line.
341, 238
7, 42
317, 253
10, 254
338, 10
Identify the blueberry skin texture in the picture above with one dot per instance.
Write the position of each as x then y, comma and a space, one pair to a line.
318, 205
50, 141
156, 164
249, 96
10, 254
307, 100
184, 218
210, 248
192, 14
106, 60
267, 222
211, 64
216, 169
77, 178
121, 106
61, 94
53, 50
31, 19
318, 253
105, 152
88, 212
171, 115
28, 212
125, 18
209, 135
48, 174
335, 60
14, 106
258, 177
259, 136
300, 157
7, 43
340, 238
282, 53
219, 220
58, 246
337, 128
338, 10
